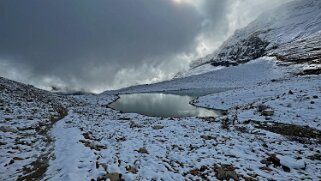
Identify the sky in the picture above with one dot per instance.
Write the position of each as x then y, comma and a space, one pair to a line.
98, 45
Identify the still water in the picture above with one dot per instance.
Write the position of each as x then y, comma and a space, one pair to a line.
161, 105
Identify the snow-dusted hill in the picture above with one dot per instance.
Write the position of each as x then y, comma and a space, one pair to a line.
273, 31
26, 117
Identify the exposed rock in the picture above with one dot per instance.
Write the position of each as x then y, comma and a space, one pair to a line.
87, 135
131, 169
209, 119
157, 127
226, 172
316, 156
261, 107
298, 133
135, 125
273, 160
142, 150
8, 129
267, 112
286, 169
93, 145
207, 137
266, 169
111, 177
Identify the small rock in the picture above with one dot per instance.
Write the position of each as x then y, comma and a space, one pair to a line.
114, 176
17, 158
131, 169
209, 119
286, 169
265, 162
2, 143
97, 164
315, 157
267, 112
207, 137
274, 160
226, 172
290, 92
261, 107
87, 135
135, 125
93, 145
105, 166
142, 150
266, 169
195, 172
11, 162
157, 127
121, 138
8, 129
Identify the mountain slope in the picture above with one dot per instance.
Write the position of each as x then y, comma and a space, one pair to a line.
285, 25
26, 116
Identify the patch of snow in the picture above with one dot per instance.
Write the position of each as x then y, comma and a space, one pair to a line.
72, 160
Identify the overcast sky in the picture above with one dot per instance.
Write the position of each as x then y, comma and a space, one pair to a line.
108, 44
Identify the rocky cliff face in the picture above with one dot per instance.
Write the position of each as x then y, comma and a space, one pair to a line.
306, 49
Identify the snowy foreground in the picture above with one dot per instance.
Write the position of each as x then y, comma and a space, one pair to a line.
245, 144
271, 132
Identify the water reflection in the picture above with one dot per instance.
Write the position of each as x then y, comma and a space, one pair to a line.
160, 105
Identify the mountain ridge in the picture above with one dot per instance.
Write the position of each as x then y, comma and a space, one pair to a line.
282, 26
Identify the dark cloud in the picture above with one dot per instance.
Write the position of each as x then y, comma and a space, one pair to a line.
87, 42
104, 44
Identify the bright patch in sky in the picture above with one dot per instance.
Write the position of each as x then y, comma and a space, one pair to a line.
195, 3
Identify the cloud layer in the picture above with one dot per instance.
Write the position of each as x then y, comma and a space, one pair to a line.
99, 45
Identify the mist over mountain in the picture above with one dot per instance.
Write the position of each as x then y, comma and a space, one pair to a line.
102, 45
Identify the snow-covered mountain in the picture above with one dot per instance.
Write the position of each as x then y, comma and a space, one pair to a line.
296, 24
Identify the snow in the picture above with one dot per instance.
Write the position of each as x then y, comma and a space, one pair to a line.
260, 70
180, 146
198, 70
291, 162
72, 159
25, 118
297, 108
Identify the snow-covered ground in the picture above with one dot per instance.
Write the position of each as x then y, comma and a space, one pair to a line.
238, 146
26, 117
294, 101
271, 131
251, 73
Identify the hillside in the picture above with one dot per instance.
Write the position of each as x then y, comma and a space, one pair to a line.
26, 117
293, 24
